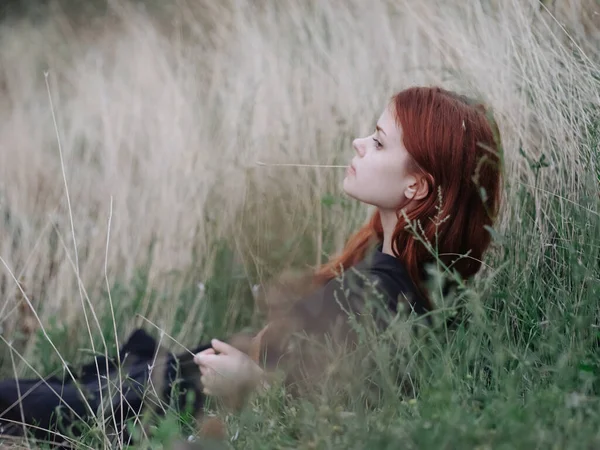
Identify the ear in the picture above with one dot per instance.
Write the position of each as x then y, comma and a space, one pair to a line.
418, 187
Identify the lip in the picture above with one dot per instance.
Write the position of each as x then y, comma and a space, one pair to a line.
351, 170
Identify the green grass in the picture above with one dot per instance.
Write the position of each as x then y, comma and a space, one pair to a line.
522, 370
521, 373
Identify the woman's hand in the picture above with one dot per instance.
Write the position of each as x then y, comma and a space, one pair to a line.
226, 371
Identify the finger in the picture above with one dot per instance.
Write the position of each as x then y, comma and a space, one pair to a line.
206, 381
207, 391
208, 351
207, 360
223, 347
208, 370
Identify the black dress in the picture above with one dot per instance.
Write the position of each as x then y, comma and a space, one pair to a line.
380, 278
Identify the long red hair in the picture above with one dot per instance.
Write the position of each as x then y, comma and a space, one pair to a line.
455, 141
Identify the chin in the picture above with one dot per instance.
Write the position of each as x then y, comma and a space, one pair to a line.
347, 189
349, 193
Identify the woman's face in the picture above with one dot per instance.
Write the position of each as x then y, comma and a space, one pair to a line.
379, 173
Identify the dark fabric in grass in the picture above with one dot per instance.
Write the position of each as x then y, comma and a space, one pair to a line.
57, 405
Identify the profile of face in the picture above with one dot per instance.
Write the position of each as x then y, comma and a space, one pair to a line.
382, 173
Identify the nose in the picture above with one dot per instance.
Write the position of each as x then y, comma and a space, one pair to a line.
357, 144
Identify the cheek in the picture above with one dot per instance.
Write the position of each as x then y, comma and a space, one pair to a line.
387, 172
378, 182
388, 187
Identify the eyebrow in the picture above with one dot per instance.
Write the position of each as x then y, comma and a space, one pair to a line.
378, 128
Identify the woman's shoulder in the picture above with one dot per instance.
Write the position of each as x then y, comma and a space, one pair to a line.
388, 275
379, 277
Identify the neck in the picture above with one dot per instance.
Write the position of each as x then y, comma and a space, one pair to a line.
389, 219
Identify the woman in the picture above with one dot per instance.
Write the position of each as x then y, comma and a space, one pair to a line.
434, 157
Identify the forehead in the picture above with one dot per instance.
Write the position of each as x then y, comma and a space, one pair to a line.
387, 121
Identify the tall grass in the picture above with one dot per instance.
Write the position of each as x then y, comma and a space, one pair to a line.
162, 113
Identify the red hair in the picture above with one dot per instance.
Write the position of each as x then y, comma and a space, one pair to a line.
455, 142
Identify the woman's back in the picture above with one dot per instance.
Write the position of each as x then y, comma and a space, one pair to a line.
379, 279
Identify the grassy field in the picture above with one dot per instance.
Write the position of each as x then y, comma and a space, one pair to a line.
129, 189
